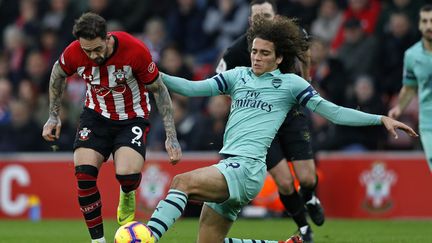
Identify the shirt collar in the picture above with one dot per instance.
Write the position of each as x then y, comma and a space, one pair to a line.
273, 73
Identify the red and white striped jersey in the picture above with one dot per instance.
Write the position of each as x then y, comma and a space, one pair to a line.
115, 89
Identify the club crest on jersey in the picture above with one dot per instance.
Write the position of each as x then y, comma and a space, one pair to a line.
276, 82
84, 134
120, 76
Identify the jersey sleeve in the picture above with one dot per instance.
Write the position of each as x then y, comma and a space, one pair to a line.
145, 70
305, 94
345, 116
216, 85
408, 78
69, 58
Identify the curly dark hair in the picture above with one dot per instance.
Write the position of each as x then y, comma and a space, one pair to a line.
286, 36
90, 26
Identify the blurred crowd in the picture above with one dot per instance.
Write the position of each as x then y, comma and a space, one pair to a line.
357, 59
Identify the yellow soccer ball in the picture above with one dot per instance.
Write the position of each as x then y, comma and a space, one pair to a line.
134, 232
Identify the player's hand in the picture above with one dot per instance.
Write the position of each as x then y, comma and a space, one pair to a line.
53, 123
395, 112
173, 148
392, 125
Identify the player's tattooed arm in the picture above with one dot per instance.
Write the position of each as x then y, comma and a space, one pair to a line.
57, 85
164, 105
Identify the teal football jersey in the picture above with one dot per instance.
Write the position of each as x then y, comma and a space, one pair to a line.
418, 72
259, 106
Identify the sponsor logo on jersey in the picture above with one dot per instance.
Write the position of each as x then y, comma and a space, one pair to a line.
103, 91
88, 78
252, 100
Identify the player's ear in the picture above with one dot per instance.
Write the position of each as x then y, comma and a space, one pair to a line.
279, 60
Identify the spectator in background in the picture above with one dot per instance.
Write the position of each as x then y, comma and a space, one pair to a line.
185, 123
223, 23
29, 93
328, 21
154, 36
138, 12
22, 133
172, 62
392, 45
5, 98
49, 45
304, 10
8, 12
367, 11
328, 73
36, 70
59, 20
358, 52
208, 135
28, 20
409, 7
336, 137
108, 9
4, 65
184, 27
16, 51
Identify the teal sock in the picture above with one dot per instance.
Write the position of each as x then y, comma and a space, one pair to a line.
234, 240
167, 212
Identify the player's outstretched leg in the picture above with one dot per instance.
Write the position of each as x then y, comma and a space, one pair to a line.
312, 203
292, 239
167, 212
126, 206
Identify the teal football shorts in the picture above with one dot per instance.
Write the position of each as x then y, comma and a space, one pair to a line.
245, 178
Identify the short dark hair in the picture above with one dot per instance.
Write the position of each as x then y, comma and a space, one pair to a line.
426, 8
284, 33
272, 3
90, 26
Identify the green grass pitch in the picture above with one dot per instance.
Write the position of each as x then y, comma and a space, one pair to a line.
184, 231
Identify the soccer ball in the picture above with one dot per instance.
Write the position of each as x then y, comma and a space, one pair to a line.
134, 232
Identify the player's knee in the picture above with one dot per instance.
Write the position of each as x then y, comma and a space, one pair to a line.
285, 185
180, 182
86, 176
129, 182
307, 180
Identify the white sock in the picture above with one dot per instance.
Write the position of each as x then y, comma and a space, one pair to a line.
314, 200
303, 229
100, 240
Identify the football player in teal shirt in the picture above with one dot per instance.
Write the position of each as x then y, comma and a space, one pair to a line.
417, 78
261, 97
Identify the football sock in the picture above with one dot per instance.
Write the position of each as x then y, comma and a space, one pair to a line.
234, 240
167, 212
129, 182
295, 207
89, 199
100, 240
307, 192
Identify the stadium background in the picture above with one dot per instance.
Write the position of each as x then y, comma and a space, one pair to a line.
355, 63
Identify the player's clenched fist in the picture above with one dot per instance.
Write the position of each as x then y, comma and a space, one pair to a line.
53, 123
